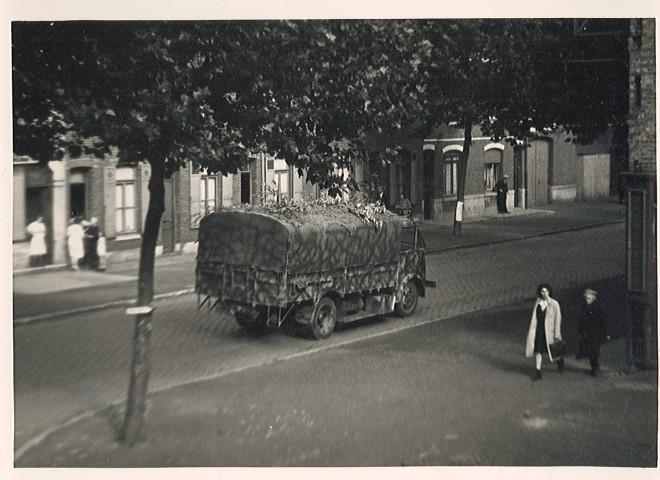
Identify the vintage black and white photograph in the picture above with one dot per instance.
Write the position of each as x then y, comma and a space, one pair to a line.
336, 241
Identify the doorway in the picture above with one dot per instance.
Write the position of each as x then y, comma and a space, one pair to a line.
518, 176
538, 159
428, 183
77, 193
167, 220
77, 207
245, 187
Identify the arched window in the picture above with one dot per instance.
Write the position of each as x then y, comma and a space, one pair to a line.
492, 165
451, 164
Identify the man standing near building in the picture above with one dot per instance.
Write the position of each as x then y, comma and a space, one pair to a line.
91, 240
502, 188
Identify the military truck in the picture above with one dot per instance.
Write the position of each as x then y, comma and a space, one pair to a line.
319, 268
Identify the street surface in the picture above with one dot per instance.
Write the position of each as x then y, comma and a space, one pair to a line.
79, 364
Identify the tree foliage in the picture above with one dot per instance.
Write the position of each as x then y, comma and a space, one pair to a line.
310, 92
209, 93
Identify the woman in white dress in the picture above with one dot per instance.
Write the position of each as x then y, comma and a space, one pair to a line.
75, 236
37, 230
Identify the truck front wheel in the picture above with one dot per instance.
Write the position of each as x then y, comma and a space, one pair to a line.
409, 298
324, 319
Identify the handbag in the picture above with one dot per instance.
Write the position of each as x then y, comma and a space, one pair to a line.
558, 348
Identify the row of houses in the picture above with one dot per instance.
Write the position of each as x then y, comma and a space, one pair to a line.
544, 170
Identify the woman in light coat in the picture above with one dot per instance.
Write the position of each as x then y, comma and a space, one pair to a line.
37, 231
75, 236
544, 329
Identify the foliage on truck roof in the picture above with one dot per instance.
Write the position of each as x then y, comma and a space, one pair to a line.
324, 210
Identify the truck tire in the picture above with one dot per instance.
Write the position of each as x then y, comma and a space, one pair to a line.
324, 319
409, 299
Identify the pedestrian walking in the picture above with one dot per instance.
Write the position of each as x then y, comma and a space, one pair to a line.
544, 329
592, 330
502, 188
91, 240
75, 236
37, 231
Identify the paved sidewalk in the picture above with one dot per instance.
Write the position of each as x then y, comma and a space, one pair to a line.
41, 294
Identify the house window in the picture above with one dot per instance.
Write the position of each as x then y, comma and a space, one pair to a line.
492, 166
207, 189
281, 186
491, 174
451, 173
203, 195
125, 214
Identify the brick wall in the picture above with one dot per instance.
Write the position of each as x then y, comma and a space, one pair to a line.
642, 130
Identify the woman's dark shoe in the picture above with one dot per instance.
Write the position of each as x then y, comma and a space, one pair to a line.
537, 375
560, 365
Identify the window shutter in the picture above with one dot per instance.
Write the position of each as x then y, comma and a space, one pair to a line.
109, 182
195, 211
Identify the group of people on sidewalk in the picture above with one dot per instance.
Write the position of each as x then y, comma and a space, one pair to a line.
86, 244
544, 335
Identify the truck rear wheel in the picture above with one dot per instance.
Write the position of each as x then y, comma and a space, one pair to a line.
324, 319
409, 299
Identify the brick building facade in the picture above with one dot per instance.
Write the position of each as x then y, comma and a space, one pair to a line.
544, 169
641, 191
118, 197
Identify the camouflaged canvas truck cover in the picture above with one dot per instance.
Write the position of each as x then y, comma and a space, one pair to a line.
260, 259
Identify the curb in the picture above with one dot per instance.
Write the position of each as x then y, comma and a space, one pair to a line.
119, 303
522, 237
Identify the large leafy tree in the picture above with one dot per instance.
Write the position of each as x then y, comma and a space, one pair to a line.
481, 74
168, 93
509, 77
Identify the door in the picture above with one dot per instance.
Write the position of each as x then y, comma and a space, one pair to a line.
538, 156
245, 187
517, 176
428, 183
167, 221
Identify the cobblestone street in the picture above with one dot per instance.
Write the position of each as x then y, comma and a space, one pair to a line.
76, 365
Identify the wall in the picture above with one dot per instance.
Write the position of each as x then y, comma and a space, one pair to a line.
642, 120
18, 217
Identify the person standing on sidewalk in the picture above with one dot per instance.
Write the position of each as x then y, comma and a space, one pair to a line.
37, 231
101, 252
75, 235
592, 330
92, 238
544, 328
502, 188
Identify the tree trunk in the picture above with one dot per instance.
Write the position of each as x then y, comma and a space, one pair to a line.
133, 426
462, 172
